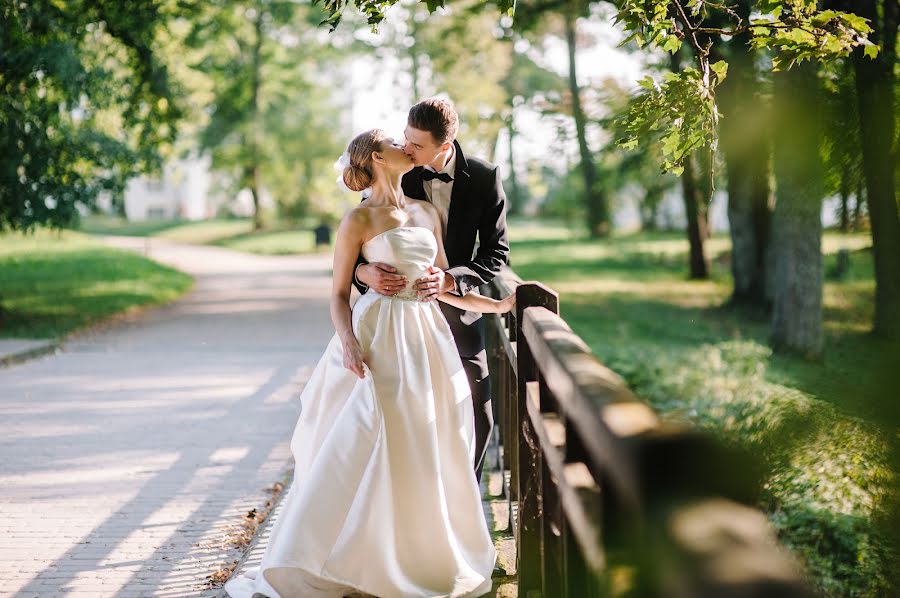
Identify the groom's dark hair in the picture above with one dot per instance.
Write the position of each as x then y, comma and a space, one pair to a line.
436, 116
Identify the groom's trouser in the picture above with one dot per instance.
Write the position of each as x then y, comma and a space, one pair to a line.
468, 332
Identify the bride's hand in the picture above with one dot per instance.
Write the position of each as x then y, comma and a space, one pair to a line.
354, 360
433, 283
508, 303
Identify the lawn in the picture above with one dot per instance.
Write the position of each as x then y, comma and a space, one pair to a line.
233, 233
820, 427
52, 283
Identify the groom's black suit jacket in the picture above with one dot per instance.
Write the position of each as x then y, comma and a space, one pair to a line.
477, 208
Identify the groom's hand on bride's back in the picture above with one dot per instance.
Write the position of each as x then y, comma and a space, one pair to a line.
381, 278
435, 282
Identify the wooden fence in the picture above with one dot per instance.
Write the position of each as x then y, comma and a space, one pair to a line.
605, 499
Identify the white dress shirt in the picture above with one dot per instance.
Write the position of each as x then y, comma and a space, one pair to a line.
438, 192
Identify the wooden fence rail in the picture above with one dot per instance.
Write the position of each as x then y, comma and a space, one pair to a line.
605, 499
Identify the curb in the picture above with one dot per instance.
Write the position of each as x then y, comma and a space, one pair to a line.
15, 358
262, 533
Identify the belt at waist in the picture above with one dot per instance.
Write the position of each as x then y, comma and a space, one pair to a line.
405, 295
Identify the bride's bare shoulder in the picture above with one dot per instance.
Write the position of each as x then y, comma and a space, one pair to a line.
357, 221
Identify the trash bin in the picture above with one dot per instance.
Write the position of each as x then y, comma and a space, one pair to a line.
323, 235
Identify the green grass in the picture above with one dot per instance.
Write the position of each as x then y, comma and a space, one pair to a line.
276, 242
233, 233
821, 427
199, 232
53, 283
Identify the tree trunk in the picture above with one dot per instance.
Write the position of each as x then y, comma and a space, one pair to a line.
514, 196
255, 116
745, 147
797, 223
705, 188
858, 204
699, 266
493, 142
649, 208
694, 205
414, 55
875, 91
256, 192
595, 201
845, 202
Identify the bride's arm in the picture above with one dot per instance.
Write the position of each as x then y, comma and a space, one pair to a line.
347, 246
474, 301
471, 301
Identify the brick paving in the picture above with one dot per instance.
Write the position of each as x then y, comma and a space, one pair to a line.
129, 457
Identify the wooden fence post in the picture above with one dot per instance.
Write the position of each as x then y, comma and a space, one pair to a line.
529, 459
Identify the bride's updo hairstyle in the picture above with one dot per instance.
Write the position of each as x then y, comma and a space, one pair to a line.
358, 175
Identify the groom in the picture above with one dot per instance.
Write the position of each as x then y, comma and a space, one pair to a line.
469, 196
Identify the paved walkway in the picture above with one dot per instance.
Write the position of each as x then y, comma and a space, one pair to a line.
129, 456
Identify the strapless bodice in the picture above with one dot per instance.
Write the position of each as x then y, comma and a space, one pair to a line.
409, 249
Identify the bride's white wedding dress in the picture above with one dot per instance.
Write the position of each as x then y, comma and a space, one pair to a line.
384, 499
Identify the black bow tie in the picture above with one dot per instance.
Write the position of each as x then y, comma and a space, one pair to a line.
428, 175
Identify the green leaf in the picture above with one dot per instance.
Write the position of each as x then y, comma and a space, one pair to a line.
720, 68
672, 44
647, 82
870, 50
857, 22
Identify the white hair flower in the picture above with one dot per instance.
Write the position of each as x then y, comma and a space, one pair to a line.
342, 162
339, 165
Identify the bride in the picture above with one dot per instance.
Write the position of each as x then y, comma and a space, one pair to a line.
384, 500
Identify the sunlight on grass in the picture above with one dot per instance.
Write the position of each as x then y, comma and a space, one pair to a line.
530, 229
285, 242
682, 292
54, 283
198, 232
97, 224
677, 344
832, 241
233, 233
204, 232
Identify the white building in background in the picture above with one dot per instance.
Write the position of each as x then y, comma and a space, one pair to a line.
184, 191
187, 190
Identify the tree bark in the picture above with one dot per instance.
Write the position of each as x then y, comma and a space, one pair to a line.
875, 92
745, 147
797, 224
414, 55
256, 192
514, 196
255, 116
845, 202
858, 204
699, 266
650, 208
705, 189
595, 201
694, 205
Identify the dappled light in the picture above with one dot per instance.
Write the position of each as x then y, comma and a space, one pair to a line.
628, 419
702, 364
707, 528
